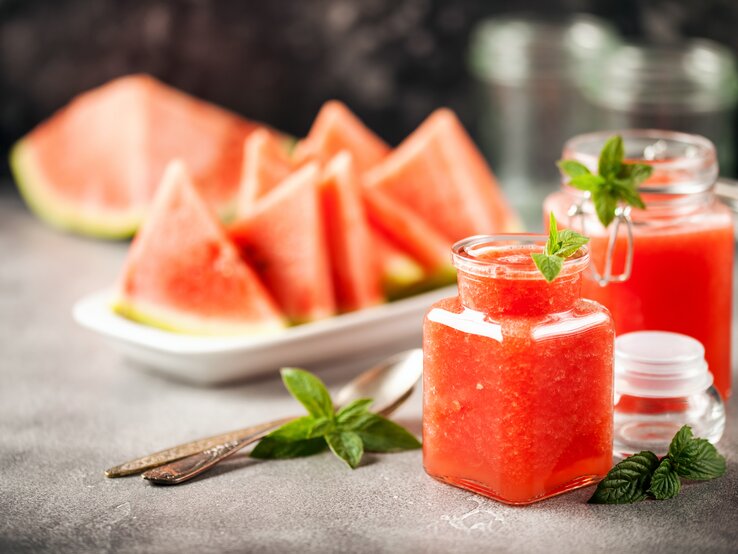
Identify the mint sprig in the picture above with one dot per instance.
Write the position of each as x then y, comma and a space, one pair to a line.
643, 475
559, 246
348, 432
615, 182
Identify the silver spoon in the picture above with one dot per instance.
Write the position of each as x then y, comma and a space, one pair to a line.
389, 383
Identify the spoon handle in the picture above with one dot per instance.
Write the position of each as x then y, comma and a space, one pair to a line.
156, 459
185, 469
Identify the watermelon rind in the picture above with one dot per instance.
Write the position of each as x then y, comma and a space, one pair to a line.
188, 324
443, 276
60, 213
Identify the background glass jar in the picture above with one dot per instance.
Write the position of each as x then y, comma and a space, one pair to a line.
691, 87
517, 376
529, 71
669, 267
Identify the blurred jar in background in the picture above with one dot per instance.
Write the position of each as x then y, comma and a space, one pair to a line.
531, 72
691, 88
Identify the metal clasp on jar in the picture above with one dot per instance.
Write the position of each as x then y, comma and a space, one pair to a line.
622, 216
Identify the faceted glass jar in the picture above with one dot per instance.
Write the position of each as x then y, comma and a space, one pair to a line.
670, 265
517, 376
662, 382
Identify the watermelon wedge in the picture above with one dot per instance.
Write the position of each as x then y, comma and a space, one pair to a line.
354, 267
400, 275
265, 165
335, 129
403, 228
183, 274
439, 174
284, 238
94, 166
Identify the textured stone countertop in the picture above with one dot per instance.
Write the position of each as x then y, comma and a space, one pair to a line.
70, 407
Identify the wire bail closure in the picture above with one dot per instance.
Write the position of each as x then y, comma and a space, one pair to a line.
622, 216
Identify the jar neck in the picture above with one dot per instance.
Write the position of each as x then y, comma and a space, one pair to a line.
512, 296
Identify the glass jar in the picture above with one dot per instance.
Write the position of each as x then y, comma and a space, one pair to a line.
668, 267
662, 382
691, 87
517, 376
528, 71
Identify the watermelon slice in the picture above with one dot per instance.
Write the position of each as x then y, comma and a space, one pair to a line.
400, 275
183, 274
94, 166
284, 238
335, 129
438, 173
408, 231
354, 267
265, 165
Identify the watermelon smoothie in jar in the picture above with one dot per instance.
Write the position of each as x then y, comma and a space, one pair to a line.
517, 376
668, 267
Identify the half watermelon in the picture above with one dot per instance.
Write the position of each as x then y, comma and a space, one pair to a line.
94, 166
183, 274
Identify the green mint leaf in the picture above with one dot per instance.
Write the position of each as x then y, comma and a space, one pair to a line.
611, 157
382, 435
272, 449
552, 244
570, 242
628, 193
587, 182
549, 266
348, 416
347, 445
698, 459
306, 427
309, 391
635, 173
605, 206
628, 481
573, 168
680, 442
665, 481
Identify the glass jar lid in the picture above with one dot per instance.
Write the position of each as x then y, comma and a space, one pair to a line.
660, 364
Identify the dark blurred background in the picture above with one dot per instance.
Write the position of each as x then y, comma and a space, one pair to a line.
391, 61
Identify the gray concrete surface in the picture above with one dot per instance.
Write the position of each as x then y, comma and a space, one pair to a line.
70, 407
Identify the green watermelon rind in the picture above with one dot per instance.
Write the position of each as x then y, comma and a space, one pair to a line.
184, 323
441, 277
38, 195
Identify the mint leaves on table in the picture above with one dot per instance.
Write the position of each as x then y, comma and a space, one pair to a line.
559, 246
615, 182
348, 432
643, 475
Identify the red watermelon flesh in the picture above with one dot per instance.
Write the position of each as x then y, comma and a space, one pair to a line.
399, 273
438, 173
356, 279
284, 238
94, 166
407, 230
183, 273
335, 129
265, 165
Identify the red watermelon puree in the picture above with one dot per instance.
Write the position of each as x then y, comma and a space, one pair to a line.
683, 244
518, 376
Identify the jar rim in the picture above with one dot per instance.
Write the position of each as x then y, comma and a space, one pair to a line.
466, 256
699, 171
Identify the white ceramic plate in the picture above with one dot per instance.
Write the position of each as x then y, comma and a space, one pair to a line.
211, 360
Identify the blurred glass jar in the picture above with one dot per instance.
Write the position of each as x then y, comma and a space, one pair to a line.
691, 88
530, 71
